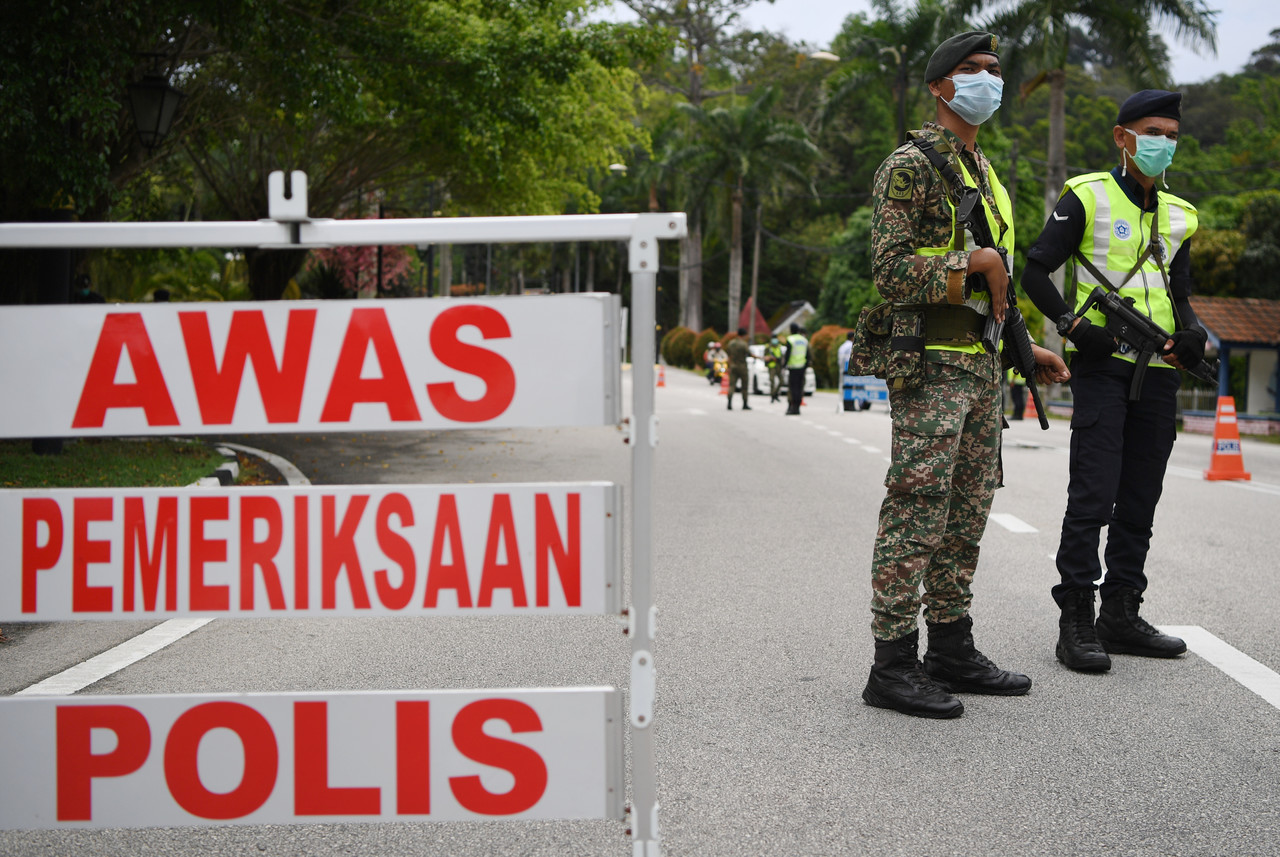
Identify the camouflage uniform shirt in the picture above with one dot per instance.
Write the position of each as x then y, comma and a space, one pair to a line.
912, 211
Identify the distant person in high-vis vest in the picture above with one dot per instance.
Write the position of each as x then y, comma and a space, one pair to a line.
773, 359
1124, 234
796, 359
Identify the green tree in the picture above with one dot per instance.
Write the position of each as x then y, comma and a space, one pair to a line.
1259, 266
741, 145
849, 287
503, 104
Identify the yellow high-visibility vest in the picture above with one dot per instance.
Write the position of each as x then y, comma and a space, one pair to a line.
1117, 232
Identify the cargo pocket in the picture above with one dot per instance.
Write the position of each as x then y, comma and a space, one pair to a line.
925, 436
1085, 416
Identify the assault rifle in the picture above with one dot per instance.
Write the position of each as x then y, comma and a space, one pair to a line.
1142, 334
1013, 330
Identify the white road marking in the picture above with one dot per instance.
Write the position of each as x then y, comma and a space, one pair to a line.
113, 660
872, 449
1012, 523
834, 433
852, 440
1246, 484
697, 412
1258, 678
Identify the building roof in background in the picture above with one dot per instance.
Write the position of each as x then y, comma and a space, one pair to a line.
744, 319
1240, 321
797, 311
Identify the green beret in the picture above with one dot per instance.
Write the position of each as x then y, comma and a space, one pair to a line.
953, 51
1150, 102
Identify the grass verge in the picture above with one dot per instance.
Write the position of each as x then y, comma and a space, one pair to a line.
107, 462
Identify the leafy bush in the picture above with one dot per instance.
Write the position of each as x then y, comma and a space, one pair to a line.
700, 344
682, 348
822, 346
664, 348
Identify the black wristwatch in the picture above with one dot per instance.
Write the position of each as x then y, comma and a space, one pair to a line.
1065, 321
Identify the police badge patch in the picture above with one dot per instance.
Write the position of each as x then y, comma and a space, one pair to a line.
902, 181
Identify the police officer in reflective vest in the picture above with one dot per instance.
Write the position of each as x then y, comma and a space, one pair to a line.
944, 392
1123, 233
797, 360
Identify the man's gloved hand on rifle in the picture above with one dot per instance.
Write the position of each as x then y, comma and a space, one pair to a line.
1092, 342
1185, 348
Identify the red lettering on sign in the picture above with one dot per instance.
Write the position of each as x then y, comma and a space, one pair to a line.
505, 575
398, 550
413, 758
86, 598
38, 557
347, 387
524, 763
312, 794
454, 575
77, 764
203, 596
338, 551
488, 366
248, 342
260, 554
136, 547
120, 332
567, 553
182, 769
301, 555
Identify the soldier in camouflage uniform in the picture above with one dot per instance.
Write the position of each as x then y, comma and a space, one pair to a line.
947, 411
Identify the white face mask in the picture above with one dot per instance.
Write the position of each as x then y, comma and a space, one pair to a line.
977, 96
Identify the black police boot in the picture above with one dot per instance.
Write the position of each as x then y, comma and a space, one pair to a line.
1123, 632
897, 682
957, 666
1078, 645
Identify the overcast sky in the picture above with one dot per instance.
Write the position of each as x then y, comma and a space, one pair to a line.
1243, 27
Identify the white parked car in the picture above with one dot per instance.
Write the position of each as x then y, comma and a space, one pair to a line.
759, 374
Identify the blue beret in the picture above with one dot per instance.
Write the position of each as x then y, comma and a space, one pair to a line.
1150, 102
953, 51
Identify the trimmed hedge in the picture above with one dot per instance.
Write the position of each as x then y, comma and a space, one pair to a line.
823, 345
700, 344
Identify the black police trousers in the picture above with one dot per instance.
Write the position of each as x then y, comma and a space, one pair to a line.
1119, 450
795, 389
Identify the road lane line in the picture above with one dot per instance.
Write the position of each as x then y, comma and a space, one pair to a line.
1012, 523
111, 661
1255, 676
852, 440
872, 449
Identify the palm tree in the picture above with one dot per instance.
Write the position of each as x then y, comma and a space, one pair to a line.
1038, 37
900, 41
741, 148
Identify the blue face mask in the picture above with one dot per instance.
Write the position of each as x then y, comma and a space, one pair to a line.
977, 96
1154, 154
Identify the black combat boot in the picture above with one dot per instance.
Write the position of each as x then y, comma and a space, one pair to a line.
897, 682
1123, 632
1078, 645
957, 666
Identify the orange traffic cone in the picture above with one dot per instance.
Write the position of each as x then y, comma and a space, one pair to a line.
662, 375
1029, 412
724, 383
1227, 461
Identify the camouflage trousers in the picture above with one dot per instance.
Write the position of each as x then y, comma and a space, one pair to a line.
943, 475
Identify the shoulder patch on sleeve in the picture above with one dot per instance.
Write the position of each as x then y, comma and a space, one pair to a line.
902, 182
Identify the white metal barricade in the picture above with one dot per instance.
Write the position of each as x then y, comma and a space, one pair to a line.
197, 397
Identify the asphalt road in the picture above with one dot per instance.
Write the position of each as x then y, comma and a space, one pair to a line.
764, 527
